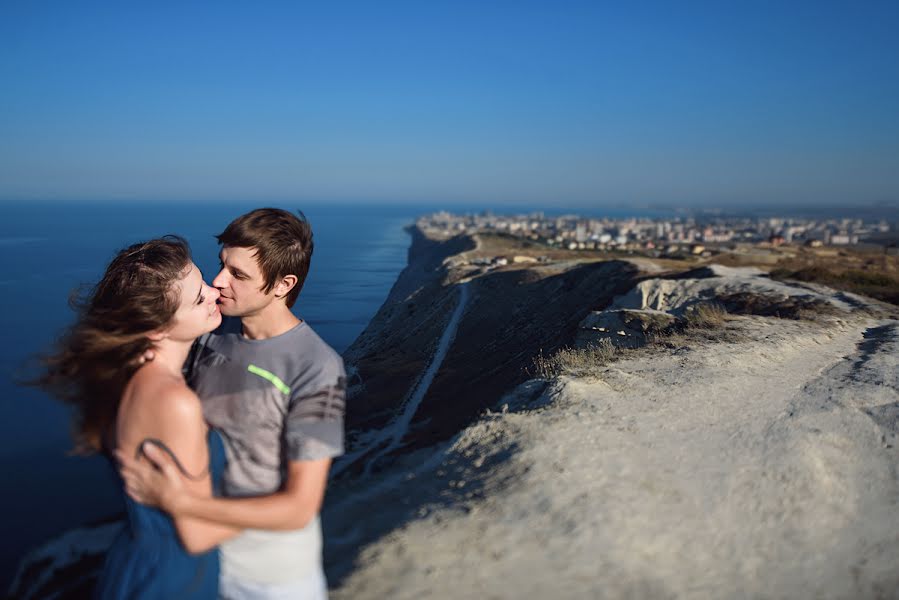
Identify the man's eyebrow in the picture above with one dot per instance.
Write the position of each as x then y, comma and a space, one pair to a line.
234, 270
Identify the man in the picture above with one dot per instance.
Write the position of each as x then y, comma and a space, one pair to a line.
276, 391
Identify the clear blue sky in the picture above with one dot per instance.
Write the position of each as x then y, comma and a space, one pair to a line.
716, 103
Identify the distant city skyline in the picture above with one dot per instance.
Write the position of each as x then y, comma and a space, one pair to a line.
525, 103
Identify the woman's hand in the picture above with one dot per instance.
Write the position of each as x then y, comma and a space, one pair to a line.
143, 359
154, 482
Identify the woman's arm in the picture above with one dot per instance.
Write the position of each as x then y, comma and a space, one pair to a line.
179, 425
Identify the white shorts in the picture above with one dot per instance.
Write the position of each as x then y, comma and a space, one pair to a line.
313, 587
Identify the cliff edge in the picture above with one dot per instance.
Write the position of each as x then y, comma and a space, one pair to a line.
744, 446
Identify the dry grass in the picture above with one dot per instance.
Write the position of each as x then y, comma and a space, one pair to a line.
703, 321
574, 361
868, 272
669, 339
794, 307
706, 315
872, 282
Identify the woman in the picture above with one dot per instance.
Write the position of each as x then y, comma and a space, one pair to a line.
151, 297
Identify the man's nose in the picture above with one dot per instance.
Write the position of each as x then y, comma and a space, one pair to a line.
221, 280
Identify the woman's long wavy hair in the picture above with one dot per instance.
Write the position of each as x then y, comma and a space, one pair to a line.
97, 356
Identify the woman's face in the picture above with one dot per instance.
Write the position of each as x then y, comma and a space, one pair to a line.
198, 311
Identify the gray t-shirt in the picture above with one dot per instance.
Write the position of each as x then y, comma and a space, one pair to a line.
275, 400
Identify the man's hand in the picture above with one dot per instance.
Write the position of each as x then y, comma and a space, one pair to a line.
155, 482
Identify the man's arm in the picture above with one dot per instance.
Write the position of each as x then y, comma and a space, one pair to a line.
292, 507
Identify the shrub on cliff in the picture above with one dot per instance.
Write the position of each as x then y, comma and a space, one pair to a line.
575, 361
706, 315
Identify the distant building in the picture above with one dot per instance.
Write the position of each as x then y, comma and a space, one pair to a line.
580, 232
843, 239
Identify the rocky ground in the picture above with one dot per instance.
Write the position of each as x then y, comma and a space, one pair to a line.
756, 460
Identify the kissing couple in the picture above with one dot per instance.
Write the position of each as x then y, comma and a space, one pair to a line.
220, 409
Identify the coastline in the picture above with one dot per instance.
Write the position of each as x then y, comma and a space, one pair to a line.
510, 307
380, 364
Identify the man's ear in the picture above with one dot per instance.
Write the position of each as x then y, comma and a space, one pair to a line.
287, 283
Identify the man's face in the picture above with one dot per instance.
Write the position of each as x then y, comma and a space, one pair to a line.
240, 283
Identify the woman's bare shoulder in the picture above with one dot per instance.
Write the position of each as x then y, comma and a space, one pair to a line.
160, 406
166, 396
178, 402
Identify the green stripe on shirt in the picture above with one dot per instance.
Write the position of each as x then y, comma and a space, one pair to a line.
274, 379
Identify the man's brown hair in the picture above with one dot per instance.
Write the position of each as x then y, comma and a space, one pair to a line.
283, 244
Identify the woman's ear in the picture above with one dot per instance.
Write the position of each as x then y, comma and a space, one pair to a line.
284, 286
157, 336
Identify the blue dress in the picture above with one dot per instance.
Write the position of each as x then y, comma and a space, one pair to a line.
147, 560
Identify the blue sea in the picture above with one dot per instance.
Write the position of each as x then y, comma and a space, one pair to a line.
46, 250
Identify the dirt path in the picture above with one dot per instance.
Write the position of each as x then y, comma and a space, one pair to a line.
391, 436
759, 468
